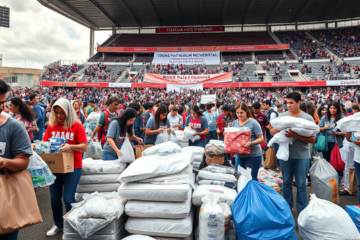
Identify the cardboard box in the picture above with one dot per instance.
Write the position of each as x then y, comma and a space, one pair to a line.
354, 213
59, 162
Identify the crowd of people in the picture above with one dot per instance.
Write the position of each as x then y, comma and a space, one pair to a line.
61, 73
142, 114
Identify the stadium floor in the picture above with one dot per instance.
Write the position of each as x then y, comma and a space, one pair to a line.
37, 232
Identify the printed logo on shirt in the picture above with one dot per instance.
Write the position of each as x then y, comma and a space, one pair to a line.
2, 148
195, 125
66, 135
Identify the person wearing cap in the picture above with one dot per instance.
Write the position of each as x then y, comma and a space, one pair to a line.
211, 117
64, 123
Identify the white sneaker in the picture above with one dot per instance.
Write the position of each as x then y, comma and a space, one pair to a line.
53, 231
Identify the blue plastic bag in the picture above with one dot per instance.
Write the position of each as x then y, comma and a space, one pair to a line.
260, 212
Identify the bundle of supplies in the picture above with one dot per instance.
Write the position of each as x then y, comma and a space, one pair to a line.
159, 191
53, 146
91, 122
217, 175
94, 150
99, 175
215, 153
180, 138
198, 155
258, 201
235, 137
354, 213
138, 237
127, 151
298, 125
225, 194
162, 149
162, 137
324, 180
270, 178
322, 219
97, 217
41, 175
350, 124
189, 134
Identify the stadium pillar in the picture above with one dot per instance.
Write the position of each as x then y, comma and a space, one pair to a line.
296, 26
113, 31
91, 47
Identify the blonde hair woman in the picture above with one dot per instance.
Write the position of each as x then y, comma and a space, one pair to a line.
64, 123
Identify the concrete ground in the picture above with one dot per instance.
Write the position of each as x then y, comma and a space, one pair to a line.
37, 232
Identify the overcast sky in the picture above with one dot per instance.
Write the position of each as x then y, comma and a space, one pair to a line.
40, 36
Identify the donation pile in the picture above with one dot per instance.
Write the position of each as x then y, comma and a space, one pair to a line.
98, 175
162, 149
189, 134
198, 155
159, 190
94, 150
215, 153
217, 175
181, 139
324, 180
270, 178
97, 217
300, 126
41, 175
259, 212
53, 146
234, 138
322, 219
91, 122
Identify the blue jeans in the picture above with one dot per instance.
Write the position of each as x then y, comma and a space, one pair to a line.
38, 134
10, 236
109, 156
200, 143
357, 173
64, 187
298, 168
211, 135
249, 162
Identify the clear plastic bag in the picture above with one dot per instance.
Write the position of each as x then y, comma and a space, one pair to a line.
162, 137
189, 134
94, 150
93, 117
41, 175
127, 152
212, 219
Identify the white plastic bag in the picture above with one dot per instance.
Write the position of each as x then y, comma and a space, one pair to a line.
162, 149
225, 194
206, 175
94, 150
127, 152
189, 134
93, 117
322, 219
41, 175
162, 137
212, 219
91, 166
244, 178
324, 180
138, 237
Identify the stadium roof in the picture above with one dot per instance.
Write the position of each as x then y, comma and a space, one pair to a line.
103, 14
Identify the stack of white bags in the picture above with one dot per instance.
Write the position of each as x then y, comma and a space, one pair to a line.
159, 190
99, 175
98, 217
198, 155
180, 138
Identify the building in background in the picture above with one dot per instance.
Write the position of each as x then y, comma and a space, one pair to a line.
21, 77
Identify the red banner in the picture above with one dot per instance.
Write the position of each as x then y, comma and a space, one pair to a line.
195, 49
148, 85
188, 79
73, 84
190, 29
220, 85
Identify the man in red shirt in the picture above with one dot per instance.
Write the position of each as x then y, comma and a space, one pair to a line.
261, 118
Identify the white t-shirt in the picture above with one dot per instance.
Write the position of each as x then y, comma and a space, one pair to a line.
173, 120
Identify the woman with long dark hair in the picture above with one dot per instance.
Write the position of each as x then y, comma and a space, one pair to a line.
157, 124
197, 122
327, 124
321, 111
119, 128
311, 110
24, 114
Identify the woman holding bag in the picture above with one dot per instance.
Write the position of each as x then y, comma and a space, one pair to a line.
119, 128
252, 160
197, 122
157, 124
64, 123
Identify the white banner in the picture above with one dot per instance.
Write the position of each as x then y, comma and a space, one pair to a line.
343, 82
211, 98
127, 85
189, 58
181, 88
